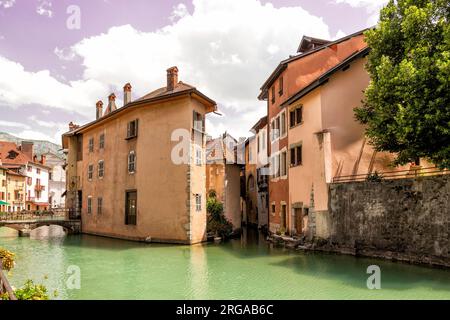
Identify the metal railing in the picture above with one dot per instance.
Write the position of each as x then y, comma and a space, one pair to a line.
5, 287
414, 172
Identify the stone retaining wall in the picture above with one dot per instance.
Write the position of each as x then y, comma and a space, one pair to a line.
403, 219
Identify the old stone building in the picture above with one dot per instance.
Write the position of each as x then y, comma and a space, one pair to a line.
138, 171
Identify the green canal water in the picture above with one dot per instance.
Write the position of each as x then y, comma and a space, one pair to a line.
246, 268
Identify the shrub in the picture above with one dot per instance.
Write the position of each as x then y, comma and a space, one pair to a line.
217, 223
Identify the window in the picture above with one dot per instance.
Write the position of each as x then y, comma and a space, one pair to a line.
4, 183
132, 129
296, 156
38, 170
101, 169
29, 168
90, 171
251, 183
198, 121
91, 144
29, 181
277, 127
131, 162
101, 142
263, 140
283, 170
198, 156
296, 116
130, 207
283, 123
258, 143
50, 176
198, 202
280, 84
79, 148
38, 182
99, 205
273, 94
273, 208
89, 205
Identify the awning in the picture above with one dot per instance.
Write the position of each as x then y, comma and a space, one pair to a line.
4, 203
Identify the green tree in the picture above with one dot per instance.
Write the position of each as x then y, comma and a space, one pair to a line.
407, 103
217, 223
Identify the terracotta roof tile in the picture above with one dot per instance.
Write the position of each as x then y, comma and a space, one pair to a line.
7, 149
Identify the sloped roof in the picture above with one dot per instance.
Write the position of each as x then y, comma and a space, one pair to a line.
321, 59
323, 78
157, 95
6, 148
161, 92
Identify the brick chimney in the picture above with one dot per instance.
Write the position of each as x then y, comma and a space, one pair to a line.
111, 104
126, 94
27, 148
98, 109
35, 158
72, 126
172, 78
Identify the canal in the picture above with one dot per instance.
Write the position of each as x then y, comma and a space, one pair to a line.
246, 268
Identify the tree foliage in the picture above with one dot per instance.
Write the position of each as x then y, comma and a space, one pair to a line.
217, 222
407, 103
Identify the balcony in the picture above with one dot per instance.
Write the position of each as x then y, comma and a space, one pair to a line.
39, 187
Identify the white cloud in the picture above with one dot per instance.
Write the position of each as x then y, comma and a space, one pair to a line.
372, 7
179, 11
227, 49
7, 3
44, 8
13, 124
64, 54
19, 87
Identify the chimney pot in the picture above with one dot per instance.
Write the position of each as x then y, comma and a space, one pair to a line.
27, 148
172, 78
111, 103
126, 94
99, 109
43, 159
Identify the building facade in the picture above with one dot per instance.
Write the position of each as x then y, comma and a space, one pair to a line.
56, 180
314, 57
22, 161
223, 176
3, 189
262, 172
138, 172
15, 190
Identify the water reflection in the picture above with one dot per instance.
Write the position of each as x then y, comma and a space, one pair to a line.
244, 268
198, 273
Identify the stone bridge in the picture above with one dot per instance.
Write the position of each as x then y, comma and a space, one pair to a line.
26, 224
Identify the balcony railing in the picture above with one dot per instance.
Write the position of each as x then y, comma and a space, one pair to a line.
39, 187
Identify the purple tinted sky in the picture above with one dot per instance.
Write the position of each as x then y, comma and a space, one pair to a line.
30, 39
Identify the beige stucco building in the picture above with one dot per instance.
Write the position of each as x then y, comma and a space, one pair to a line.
138, 172
223, 176
325, 141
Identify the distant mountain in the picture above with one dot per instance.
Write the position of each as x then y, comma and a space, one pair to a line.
40, 146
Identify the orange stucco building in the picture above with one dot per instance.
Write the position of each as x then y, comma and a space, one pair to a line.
314, 58
138, 172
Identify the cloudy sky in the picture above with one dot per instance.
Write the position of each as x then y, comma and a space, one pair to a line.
57, 58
